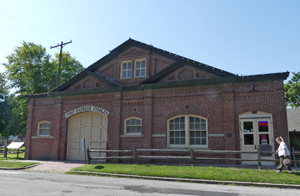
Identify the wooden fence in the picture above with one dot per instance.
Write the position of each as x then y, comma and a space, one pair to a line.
191, 152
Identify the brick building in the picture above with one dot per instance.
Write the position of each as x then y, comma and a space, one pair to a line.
142, 96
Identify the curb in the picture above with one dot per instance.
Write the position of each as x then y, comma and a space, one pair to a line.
19, 168
289, 186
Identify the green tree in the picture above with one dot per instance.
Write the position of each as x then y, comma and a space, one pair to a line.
292, 90
31, 70
5, 109
9, 121
69, 67
4, 87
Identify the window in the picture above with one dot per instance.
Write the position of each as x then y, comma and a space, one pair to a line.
126, 69
44, 129
133, 126
140, 68
177, 131
187, 131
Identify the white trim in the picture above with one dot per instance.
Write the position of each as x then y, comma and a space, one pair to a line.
131, 135
159, 135
86, 109
125, 126
215, 135
33, 137
187, 132
38, 129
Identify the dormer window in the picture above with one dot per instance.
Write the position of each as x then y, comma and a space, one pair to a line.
140, 68
126, 69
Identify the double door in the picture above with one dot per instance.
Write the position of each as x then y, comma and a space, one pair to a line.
257, 133
90, 126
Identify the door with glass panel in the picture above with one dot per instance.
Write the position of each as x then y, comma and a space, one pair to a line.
248, 139
256, 133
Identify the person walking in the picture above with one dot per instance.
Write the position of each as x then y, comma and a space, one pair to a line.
283, 153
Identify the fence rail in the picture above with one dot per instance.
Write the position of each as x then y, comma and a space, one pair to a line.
192, 157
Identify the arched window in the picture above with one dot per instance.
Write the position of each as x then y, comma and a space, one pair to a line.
133, 126
187, 130
44, 128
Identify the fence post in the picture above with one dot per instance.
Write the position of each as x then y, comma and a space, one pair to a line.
134, 155
258, 157
88, 155
5, 149
192, 156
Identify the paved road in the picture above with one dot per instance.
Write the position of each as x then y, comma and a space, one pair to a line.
29, 183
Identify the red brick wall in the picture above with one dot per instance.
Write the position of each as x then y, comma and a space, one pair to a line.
187, 73
220, 104
88, 82
154, 64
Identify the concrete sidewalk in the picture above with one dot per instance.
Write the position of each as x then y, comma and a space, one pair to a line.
55, 166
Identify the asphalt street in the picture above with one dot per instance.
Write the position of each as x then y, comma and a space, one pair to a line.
33, 183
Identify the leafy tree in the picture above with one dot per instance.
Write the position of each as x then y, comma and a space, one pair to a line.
4, 87
9, 121
292, 90
5, 109
69, 67
31, 70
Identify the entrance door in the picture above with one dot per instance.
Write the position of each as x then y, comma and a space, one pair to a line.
256, 131
248, 140
90, 126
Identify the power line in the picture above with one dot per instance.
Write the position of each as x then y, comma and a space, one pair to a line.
86, 49
33, 25
28, 34
21, 36
48, 32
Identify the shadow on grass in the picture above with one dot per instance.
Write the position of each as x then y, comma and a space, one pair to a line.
99, 167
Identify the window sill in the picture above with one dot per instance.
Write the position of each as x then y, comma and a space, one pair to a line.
131, 135
185, 147
33, 137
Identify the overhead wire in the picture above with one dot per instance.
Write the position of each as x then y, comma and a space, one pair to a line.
27, 34
48, 32
21, 36
33, 25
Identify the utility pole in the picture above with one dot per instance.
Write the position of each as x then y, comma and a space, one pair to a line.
62, 44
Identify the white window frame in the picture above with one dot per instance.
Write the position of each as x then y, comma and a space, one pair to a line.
121, 71
39, 129
140, 69
125, 126
187, 131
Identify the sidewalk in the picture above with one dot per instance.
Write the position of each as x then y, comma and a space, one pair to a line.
55, 166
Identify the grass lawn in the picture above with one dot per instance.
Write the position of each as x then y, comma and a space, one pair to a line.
13, 164
209, 173
14, 155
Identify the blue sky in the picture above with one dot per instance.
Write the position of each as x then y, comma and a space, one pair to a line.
239, 36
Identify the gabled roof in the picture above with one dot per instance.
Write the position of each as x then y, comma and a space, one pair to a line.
150, 83
180, 61
83, 74
166, 85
